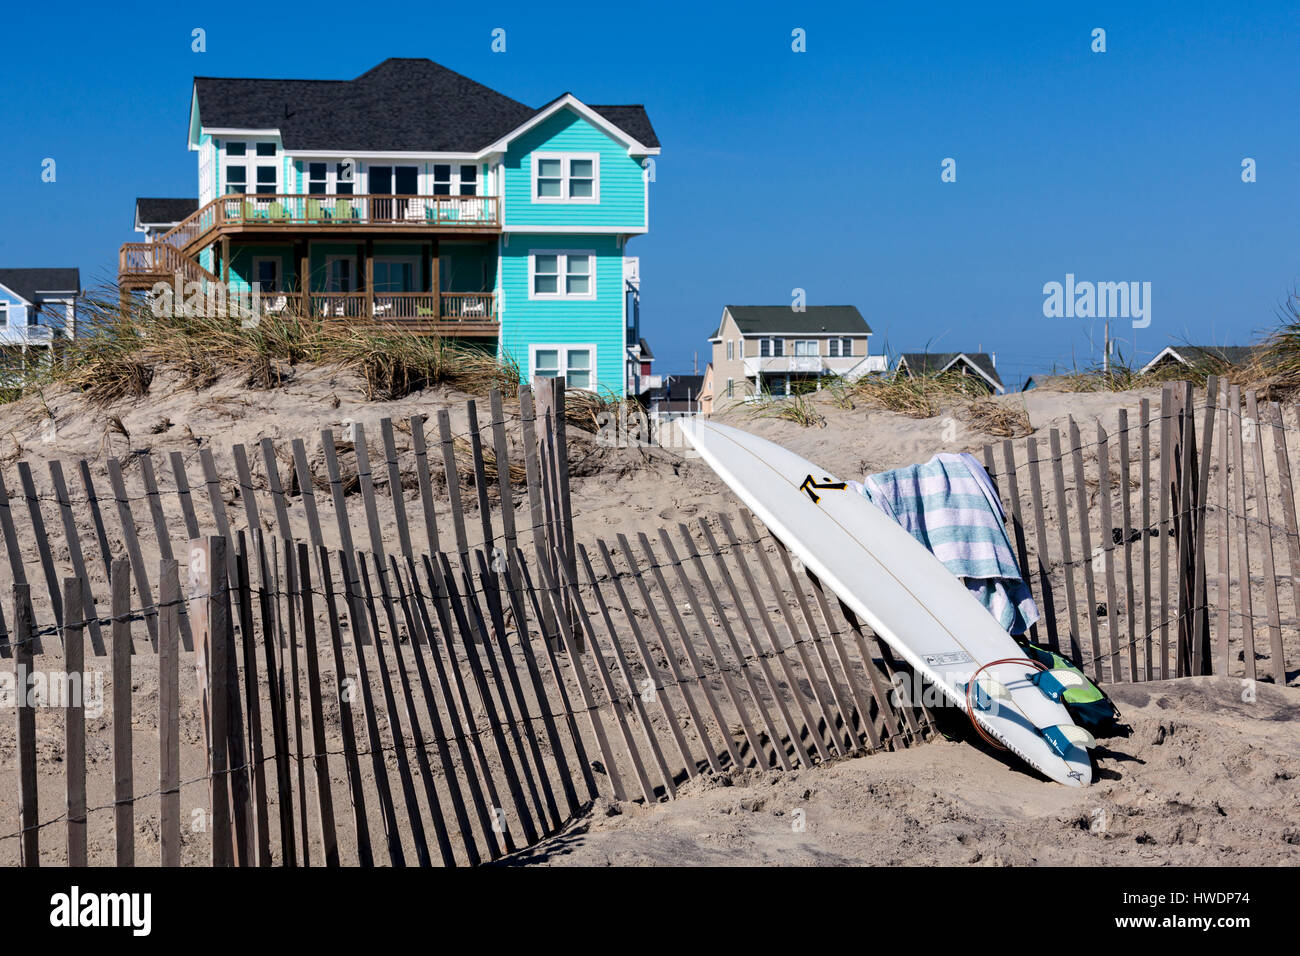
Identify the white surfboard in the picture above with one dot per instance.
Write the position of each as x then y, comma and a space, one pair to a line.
904, 592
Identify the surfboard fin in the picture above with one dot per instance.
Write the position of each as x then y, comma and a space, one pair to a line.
1062, 737
1054, 683
992, 687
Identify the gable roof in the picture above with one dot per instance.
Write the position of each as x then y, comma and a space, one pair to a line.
29, 282
814, 320
1199, 354
158, 212
401, 105
935, 363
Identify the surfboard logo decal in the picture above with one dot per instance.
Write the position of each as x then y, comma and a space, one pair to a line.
824, 485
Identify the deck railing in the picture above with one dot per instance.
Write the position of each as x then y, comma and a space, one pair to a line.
160, 261
333, 211
476, 309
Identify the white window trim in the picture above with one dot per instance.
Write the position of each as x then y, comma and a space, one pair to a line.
560, 295
455, 182
816, 346
564, 197
563, 358
250, 162
4, 315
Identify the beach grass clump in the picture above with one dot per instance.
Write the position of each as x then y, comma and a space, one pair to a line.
1004, 419
122, 346
917, 396
798, 408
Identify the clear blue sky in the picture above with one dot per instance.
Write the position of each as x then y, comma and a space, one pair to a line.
816, 170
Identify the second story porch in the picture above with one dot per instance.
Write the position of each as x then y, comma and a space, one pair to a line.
322, 215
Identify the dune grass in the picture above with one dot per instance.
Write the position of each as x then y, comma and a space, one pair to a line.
123, 348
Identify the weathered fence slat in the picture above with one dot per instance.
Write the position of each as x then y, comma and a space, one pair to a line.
15, 554
1018, 524
252, 704
1277, 660
1067, 562
1108, 551
1243, 538
1144, 410
1126, 518
1166, 531
70, 536
1200, 630
123, 790
24, 706
320, 763
1288, 502
1085, 544
343, 697
74, 734
42, 539
1225, 534
169, 741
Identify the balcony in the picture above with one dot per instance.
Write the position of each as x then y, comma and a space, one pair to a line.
333, 214
812, 364
470, 314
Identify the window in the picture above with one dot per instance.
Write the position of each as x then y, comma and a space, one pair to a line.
317, 178
805, 347
575, 363
563, 275
846, 347
833, 347
236, 179
266, 273
731, 350
338, 274
731, 388
458, 180
764, 348
244, 175
267, 177
4, 315
778, 347
566, 177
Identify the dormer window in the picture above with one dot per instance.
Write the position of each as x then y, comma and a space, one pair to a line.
566, 177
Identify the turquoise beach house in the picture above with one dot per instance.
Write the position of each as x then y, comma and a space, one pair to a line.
415, 197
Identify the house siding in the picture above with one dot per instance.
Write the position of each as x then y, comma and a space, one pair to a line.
17, 315
598, 321
622, 183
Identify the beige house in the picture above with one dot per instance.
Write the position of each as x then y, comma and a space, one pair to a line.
776, 350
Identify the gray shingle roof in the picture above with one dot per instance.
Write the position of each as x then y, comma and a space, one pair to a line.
932, 363
28, 282
403, 104
156, 211
815, 319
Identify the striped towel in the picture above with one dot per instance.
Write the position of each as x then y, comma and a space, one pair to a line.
950, 506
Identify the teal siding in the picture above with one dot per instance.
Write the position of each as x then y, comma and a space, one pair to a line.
528, 322
622, 187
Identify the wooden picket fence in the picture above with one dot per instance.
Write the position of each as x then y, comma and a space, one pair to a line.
470, 679
464, 696
1150, 565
